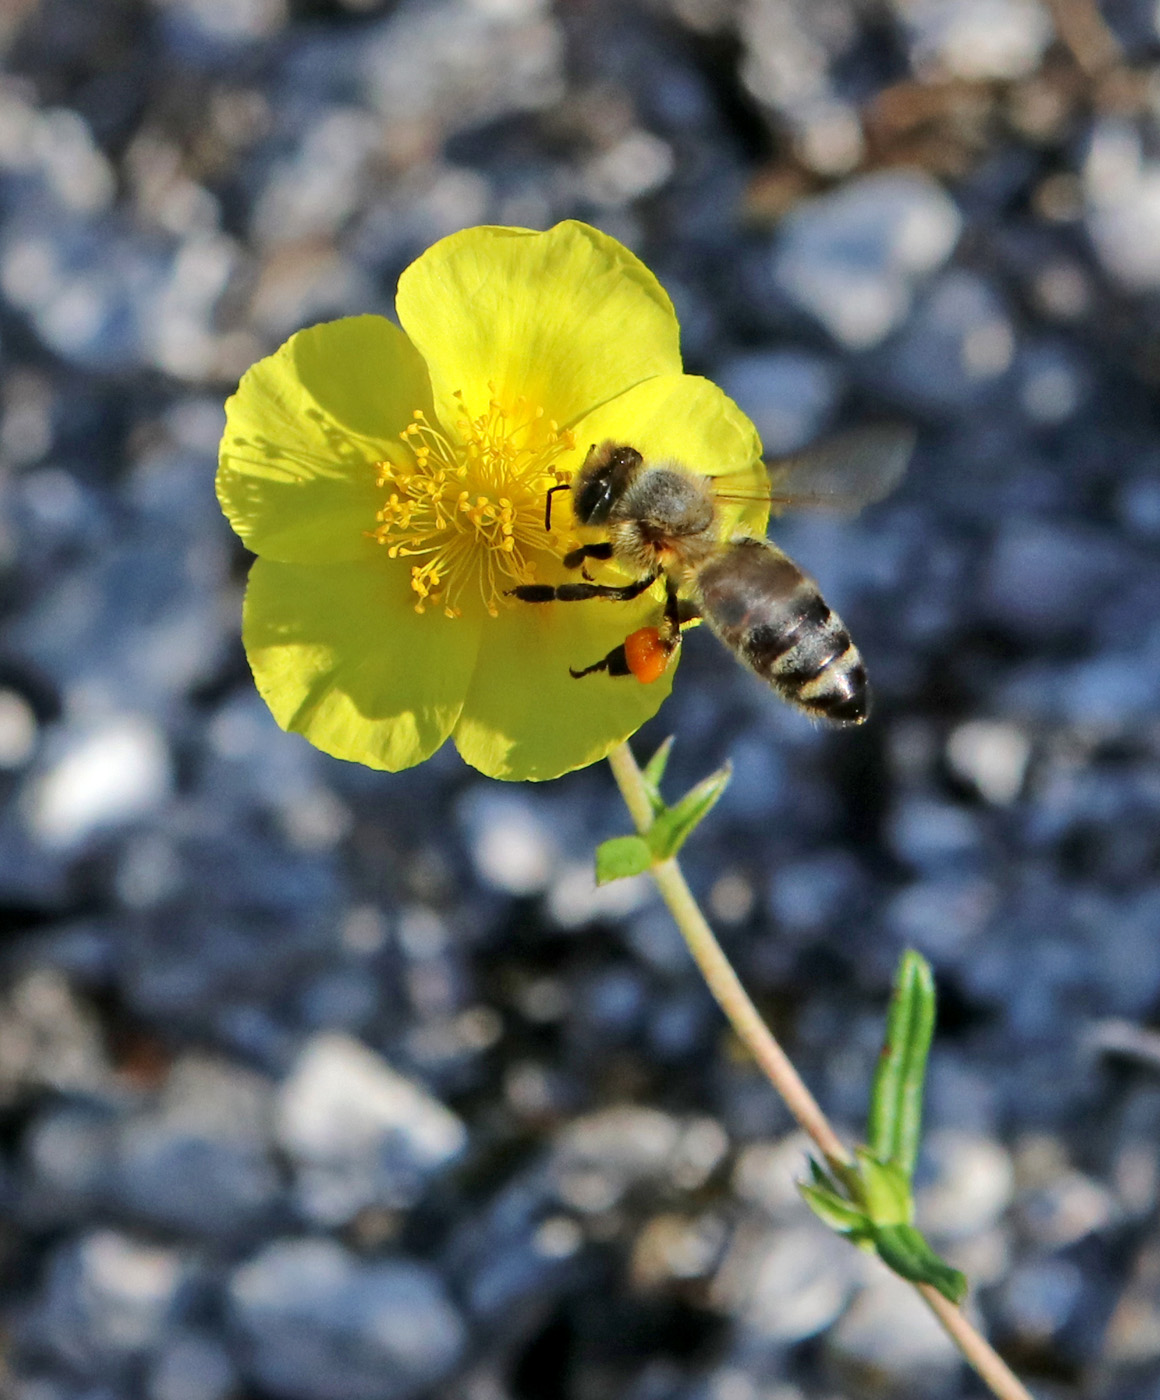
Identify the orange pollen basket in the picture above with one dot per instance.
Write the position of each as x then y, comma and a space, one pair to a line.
646, 655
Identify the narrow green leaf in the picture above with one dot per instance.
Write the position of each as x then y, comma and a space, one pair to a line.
820, 1176
654, 772
848, 1176
838, 1214
674, 825
903, 1249
895, 1121
844, 1181
620, 857
885, 1190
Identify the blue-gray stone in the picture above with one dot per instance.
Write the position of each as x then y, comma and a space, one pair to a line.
107, 1301
853, 258
789, 394
317, 1323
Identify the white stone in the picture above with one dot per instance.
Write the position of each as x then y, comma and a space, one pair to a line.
636, 165
459, 64
232, 20
992, 755
979, 39
767, 1175
359, 1133
973, 1185
1122, 192
109, 1298
72, 162
107, 774
17, 729
853, 258
576, 899
599, 1157
783, 1285
510, 843
890, 1333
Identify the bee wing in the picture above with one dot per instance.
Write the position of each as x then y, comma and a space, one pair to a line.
842, 473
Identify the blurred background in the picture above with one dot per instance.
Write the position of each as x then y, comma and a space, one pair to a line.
320, 1084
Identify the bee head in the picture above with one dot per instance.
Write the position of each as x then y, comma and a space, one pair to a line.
602, 480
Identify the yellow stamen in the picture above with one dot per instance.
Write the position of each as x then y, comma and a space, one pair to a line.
473, 506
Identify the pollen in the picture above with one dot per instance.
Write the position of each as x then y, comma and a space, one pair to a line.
468, 507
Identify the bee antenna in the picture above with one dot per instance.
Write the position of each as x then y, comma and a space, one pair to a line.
563, 486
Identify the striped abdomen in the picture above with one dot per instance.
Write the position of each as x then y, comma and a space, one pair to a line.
771, 614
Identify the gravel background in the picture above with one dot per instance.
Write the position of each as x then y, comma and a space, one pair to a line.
317, 1084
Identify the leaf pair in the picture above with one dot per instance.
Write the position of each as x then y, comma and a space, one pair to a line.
870, 1200
671, 826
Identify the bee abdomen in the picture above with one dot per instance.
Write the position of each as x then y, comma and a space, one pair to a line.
762, 606
811, 661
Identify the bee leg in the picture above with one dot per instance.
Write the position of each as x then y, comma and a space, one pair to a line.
667, 639
562, 486
615, 663
669, 632
588, 551
580, 592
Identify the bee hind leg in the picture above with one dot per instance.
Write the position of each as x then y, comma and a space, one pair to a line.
645, 653
614, 664
580, 592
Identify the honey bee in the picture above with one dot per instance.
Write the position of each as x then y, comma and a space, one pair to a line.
663, 522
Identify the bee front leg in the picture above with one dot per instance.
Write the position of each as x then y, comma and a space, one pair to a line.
576, 558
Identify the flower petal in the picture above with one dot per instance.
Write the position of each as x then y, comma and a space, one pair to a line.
338, 658
685, 419
526, 717
564, 319
304, 430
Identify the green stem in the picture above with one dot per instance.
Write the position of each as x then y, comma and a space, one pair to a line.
746, 1021
718, 973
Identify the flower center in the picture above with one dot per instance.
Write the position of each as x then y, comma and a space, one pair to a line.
472, 511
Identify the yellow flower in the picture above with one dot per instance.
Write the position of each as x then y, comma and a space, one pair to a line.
392, 483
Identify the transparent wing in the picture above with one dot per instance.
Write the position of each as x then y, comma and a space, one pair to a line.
841, 473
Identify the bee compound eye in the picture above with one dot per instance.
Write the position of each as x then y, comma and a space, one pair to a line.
594, 503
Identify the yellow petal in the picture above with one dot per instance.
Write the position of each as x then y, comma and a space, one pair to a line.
526, 717
297, 477
565, 319
340, 656
682, 418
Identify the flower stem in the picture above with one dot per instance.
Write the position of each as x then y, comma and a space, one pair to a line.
718, 973
746, 1021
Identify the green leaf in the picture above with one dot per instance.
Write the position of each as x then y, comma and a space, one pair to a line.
895, 1120
842, 1179
821, 1177
903, 1249
838, 1214
621, 857
885, 1190
674, 825
654, 772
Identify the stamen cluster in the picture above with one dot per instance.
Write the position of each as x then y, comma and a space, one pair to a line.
472, 507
